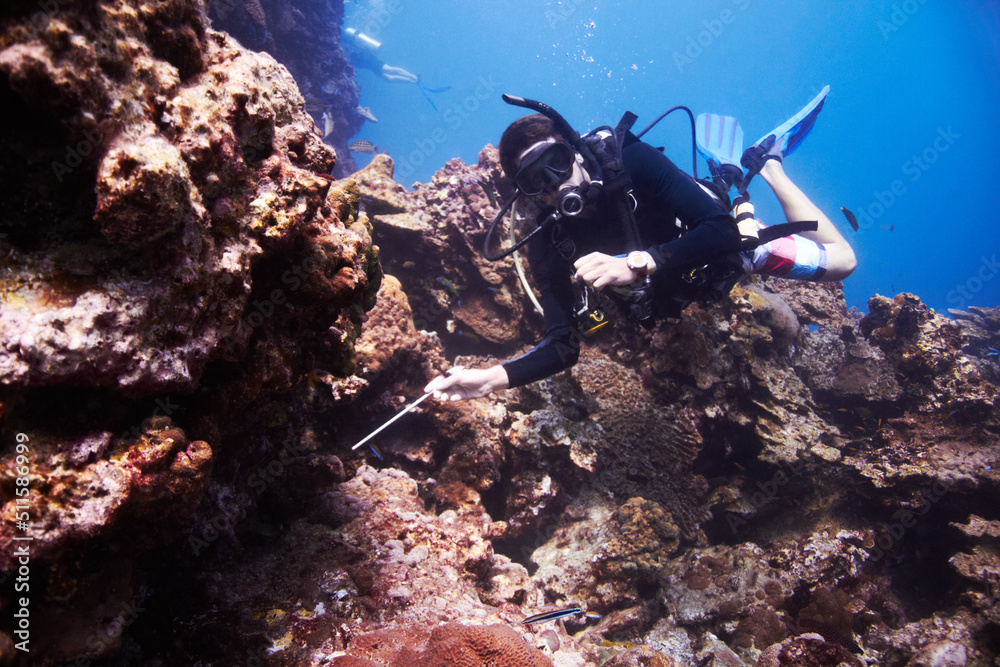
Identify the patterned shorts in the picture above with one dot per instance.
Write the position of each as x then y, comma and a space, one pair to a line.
787, 257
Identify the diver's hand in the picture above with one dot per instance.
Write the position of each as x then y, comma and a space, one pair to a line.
461, 383
599, 270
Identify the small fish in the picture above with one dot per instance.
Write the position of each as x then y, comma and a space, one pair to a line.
313, 377
366, 113
469, 335
490, 192
329, 88
850, 218
362, 146
327, 124
450, 286
830, 634
547, 616
375, 451
991, 352
409, 264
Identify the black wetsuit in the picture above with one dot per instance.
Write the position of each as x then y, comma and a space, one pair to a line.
664, 194
364, 59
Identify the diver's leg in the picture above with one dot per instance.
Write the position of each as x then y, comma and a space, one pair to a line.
797, 206
398, 74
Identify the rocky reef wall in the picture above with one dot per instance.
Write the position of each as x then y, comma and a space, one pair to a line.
175, 254
303, 35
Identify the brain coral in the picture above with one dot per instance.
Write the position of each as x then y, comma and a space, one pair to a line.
449, 645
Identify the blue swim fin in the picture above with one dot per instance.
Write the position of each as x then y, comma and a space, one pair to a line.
720, 142
424, 91
720, 138
782, 140
790, 134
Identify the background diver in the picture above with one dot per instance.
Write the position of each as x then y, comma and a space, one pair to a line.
695, 249
361, 51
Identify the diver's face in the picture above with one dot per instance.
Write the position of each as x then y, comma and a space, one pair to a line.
547, 169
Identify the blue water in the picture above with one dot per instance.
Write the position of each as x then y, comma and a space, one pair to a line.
908, 138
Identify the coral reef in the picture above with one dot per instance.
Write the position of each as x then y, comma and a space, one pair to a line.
431, 238
172, 248
197, 330
443, 646
304, 36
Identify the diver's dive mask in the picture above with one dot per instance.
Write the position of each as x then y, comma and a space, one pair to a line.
544, 168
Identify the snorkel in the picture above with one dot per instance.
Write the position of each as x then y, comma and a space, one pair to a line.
572, 200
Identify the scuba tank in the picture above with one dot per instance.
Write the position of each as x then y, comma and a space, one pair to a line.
362, 41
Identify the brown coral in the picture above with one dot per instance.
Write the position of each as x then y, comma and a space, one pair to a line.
807, 651
642, 656
645, 540
450, 645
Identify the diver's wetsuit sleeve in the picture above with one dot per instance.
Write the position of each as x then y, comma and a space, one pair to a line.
713, 232
560, 348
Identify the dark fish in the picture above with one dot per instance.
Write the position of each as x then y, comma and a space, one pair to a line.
450, 286
829, 634
362, 146
850, 218
547, 616
490, 193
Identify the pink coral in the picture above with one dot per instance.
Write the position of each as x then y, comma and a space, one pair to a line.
450, 645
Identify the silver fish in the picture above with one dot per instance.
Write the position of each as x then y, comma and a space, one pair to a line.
366, 113
327, 124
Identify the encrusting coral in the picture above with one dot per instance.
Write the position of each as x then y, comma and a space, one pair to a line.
170, 228
449, 645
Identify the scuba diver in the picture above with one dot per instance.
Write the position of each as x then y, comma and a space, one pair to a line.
620, 227
361, 52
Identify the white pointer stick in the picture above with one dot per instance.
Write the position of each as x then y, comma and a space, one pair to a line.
401, 413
